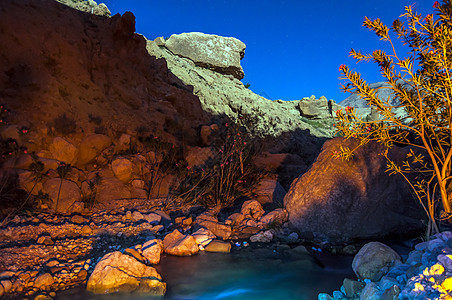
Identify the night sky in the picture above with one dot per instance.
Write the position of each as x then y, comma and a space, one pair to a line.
294, 48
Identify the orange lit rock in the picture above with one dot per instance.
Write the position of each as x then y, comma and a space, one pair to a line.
178, 244
91, 146
63, 193
122, 167
63, 150
152, 250
210, 222
117, 272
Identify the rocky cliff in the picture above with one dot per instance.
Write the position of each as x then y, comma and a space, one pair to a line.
81, 88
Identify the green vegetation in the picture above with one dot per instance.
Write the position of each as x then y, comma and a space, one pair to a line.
422, 83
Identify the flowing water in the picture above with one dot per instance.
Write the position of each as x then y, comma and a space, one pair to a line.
244, 274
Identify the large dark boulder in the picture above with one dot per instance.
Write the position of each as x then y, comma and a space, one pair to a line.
344, 200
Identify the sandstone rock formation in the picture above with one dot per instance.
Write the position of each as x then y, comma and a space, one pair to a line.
344, 200
221, 54
220, 94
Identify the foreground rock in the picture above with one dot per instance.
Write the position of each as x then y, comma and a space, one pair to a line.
344, 200
374, 260
178, 244
425, 274
117, 272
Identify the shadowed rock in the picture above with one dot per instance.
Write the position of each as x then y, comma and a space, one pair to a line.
344, 200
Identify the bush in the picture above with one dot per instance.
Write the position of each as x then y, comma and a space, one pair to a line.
228, 175
422, 83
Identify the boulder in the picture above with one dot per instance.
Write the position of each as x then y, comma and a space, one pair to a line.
313, 108
374, 260
153, 218
262, 237
276, 217
123, 143
111, 188
210, 222
43, 281
203, 236
178, 244
63, 194
91, 146
63, 150
252, 209
122, 168
117, 272
269, 191
218, 246
344, 200
28, 182
152, 250
221, 54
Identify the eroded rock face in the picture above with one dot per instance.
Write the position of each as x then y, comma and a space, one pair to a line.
117, 272
222, 54
343, 200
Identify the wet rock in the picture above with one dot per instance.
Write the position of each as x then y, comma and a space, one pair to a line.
391, 293
374, 260
203, 237
370, 292
178, 244
352, 287
152, 250
218, 246
117, 272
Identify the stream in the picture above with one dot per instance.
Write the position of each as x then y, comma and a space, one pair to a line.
261, 273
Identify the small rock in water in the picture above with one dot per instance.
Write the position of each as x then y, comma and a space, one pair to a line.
324, 296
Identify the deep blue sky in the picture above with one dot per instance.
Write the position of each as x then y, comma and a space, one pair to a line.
293, 48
